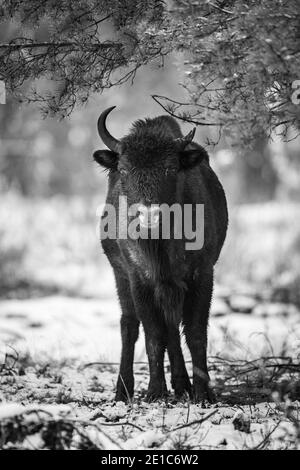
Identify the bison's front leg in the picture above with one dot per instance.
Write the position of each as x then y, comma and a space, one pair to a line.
195, 320
129, 333
155, 336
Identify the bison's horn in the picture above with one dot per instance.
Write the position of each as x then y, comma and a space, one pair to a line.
112, 143
187, 139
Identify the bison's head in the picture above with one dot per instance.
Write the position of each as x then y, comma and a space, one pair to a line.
150, 162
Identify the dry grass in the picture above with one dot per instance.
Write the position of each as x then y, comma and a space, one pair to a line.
257, 407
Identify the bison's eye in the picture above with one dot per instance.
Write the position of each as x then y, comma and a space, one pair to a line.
123, 172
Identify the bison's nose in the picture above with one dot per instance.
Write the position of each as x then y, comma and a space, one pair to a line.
149, 215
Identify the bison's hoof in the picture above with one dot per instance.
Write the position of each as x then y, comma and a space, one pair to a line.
182, 388
123, 392
156, 393
121, 396
203, 393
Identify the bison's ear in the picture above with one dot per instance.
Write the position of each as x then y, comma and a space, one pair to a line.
106, 158
190, 158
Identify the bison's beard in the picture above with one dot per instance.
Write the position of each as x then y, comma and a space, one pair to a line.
169, 288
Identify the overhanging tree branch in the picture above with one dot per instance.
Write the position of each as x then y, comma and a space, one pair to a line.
35, 45
241, 57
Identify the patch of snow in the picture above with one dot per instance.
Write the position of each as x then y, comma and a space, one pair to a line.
10, 410
242, 303
146, 439
113, 413
219, 308
275, 309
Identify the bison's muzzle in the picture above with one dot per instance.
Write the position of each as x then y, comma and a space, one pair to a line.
149, 215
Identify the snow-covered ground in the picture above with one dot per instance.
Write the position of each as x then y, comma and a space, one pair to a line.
88, 329
62, 350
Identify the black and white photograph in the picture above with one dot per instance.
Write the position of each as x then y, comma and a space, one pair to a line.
149, 227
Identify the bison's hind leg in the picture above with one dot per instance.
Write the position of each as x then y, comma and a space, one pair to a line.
195, 321
179, 377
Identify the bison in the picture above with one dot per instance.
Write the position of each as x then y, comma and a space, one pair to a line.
159, 282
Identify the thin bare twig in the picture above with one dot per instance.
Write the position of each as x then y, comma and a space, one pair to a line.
197, 421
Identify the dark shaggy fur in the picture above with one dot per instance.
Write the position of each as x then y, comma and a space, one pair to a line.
159, 282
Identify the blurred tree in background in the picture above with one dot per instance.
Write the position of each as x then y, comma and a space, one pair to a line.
240, 62
55, 54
